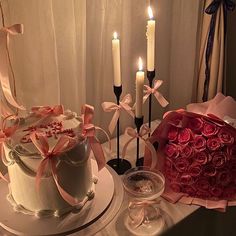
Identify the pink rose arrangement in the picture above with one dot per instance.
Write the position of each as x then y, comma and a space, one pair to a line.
200, 155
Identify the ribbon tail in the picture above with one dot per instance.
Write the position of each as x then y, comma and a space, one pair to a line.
98, 152
160, 98
65, 195
40, 172
113, 122
145, 97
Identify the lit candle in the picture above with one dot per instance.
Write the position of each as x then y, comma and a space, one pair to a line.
139, 90
116, 60
150, 41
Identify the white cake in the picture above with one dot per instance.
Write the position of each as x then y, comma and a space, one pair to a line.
74, 171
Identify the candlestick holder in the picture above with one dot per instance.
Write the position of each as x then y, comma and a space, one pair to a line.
150, 77
138, 122
118, 164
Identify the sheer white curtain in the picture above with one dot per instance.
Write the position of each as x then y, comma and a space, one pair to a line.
65, 55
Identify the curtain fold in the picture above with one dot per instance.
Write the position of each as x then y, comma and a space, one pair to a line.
65, 53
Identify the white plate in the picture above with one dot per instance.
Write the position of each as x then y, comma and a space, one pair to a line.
20, 224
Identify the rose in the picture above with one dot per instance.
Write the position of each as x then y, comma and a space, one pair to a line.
229, 192
190, 190
202, 184
172, 151
213, 144
181, 164
219, 159
184, 135
186, 179
199, 143
224, 177
173, 133
195, 124
175, 187
225, 136
216, 191
203, 194
170, 170
231, 150
209, 170
201, 157
186, 151
194, 170
209, 129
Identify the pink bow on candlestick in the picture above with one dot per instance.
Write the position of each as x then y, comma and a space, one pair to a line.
144, 130
47, 110
139, 216
157, 83
5, 33
50, 158
88, 131
111, 106
5, 134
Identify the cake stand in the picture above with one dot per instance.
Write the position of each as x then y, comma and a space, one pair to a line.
93, 217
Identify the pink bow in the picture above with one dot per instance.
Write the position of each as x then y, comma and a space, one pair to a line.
50, 158
144, 130
88, 131
5, 134
5, 33
111, 106
140, 211
47, 110
157, 83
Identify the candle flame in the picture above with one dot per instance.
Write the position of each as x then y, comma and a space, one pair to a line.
140, 64
115, 35
150, 12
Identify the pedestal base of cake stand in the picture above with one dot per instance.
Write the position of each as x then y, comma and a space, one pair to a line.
120, 166
94, 216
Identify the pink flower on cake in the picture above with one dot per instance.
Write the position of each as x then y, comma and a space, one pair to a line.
209, 170
173, 133
195, 124
172, 151
219, 159
187, 151
201, 157
225, 136
209, 129
216, 191
199, 143
224, 177
184, 135
181, 164
213, 144
194, 170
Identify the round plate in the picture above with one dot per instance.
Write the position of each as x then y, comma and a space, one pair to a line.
20, 224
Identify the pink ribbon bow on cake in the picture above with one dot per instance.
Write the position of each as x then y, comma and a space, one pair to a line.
148, 90
88, 131
5, 134
47, 110
144, 130
111, 106
50, 158
5, 33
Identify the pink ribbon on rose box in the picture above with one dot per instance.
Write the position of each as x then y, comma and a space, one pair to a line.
211, 116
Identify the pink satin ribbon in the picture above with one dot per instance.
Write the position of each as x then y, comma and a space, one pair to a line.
157, 83
5, 134
88, 131
50, 158
139, 217
111, 106
5, 33
47, 110
144, 130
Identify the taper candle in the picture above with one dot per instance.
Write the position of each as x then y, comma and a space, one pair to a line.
139, 90
150, 41
116, 60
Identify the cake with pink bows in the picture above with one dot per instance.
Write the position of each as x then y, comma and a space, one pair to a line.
47, 156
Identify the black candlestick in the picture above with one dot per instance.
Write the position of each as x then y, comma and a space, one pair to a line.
150, 76
138, 122
119, 165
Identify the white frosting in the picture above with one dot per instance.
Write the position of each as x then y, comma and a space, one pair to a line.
73, 170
